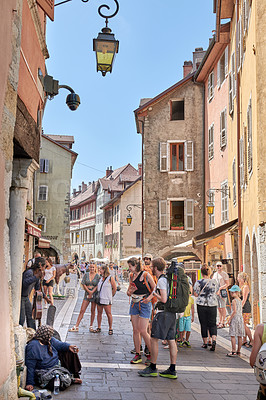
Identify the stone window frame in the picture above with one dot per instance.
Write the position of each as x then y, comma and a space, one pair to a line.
165, 214
42, 194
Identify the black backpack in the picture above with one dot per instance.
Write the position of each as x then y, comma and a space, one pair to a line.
178, 289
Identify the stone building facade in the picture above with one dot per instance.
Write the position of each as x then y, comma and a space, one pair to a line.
52, 196
172, 127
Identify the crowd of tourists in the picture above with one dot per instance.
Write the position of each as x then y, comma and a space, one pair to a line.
153, 316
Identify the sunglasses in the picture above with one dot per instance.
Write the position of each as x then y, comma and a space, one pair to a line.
219, 266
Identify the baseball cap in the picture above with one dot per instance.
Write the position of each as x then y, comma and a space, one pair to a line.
235, 288
148, 256
219, 263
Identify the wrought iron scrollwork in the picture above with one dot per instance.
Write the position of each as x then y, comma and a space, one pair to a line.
108, 8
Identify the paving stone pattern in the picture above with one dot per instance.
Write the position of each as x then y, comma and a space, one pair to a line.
199, 370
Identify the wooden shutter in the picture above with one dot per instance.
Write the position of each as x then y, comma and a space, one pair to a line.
48, 7
189, 162
241, 162
234, 181
233, 63
163, 215
218, 73
211, 144
226, 61
189, 214
249, 128
231, 97
46, 166
245, 156
41, 165
223, 128
163, 156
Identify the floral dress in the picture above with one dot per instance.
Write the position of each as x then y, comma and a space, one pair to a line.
237, 324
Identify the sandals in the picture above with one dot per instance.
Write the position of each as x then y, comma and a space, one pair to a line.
231, 354
98, 330
73, 329
247, 345
91, 329
219, 326
212, 348
110, 332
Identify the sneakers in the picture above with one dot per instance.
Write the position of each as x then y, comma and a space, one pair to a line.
168, 374
186, 343
133, 351
148, 372
136, 360
148, 360
180, 344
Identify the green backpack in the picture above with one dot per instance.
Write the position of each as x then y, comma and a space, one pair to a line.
178, 289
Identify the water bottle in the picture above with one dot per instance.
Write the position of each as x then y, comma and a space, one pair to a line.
56, 384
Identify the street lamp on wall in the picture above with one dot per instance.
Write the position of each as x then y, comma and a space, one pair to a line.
129, 208
210, 205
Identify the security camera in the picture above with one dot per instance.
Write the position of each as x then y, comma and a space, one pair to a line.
73, 101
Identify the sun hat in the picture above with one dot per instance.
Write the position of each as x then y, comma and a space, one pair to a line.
235, 288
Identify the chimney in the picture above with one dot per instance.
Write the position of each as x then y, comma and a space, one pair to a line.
89, 183
187, 68
140, 169
79, 188
84, 187
93, 186
198, 55
108, 172
74, 192
111, 169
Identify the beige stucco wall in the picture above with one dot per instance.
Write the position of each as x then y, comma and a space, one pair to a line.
56, 209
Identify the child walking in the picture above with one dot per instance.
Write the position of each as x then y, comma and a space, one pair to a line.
185, 323
236, 323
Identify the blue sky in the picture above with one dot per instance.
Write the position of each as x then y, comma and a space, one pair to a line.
155, 38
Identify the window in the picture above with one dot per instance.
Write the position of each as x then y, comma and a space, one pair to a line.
43, 193
117, 212
41, 221
239, 44
211, 142
176, 215
181, 156
72, 237
222, 68
234, 181
249, 137
177, 110
177, 157
212, 216
223, 129
224, 202
138, 239
44, 165
231, 94
211, 86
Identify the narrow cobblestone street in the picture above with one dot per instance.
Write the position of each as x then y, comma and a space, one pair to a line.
108, 374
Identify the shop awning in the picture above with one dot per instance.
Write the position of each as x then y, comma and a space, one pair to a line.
214, 233
188, 243
44, 243
32, 229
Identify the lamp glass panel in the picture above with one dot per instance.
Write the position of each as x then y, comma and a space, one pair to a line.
105, 51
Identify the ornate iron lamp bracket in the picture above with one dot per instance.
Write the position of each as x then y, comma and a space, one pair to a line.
224, 191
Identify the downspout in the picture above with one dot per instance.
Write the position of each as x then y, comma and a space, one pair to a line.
240, 258
142, 190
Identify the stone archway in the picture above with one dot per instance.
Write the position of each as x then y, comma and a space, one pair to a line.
247, 256
99, 254
255, 283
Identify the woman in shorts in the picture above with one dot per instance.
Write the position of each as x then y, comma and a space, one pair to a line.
141, 284
48, 281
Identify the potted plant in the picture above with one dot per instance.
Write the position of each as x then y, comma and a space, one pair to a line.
177, 226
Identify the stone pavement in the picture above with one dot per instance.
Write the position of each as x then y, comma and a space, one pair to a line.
108, 374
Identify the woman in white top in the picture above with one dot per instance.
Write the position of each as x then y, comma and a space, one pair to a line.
222, 279
48, 281
107, 289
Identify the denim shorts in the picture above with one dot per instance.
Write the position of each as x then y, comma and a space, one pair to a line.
185, 324
141, 309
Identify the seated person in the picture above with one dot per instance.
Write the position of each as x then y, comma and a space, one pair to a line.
43, 351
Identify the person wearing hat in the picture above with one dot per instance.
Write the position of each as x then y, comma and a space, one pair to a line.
222, 279
236, 322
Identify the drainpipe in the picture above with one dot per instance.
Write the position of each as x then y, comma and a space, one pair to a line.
240, 259
142, 187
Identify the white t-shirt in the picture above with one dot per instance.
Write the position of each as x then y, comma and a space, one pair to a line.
49, 273
221, 278
162, 284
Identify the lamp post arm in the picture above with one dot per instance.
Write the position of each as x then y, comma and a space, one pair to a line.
66, 87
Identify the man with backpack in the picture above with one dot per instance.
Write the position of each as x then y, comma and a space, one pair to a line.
172, 292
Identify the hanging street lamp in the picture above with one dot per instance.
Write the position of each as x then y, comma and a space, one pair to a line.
129, 208
105, 46
129, 219
210, 208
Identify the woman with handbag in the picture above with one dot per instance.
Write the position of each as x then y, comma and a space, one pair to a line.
89, 283
222, 279
244, 283
104, 298
205, 290
141, 285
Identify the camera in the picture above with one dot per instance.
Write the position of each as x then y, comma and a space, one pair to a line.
73, 101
